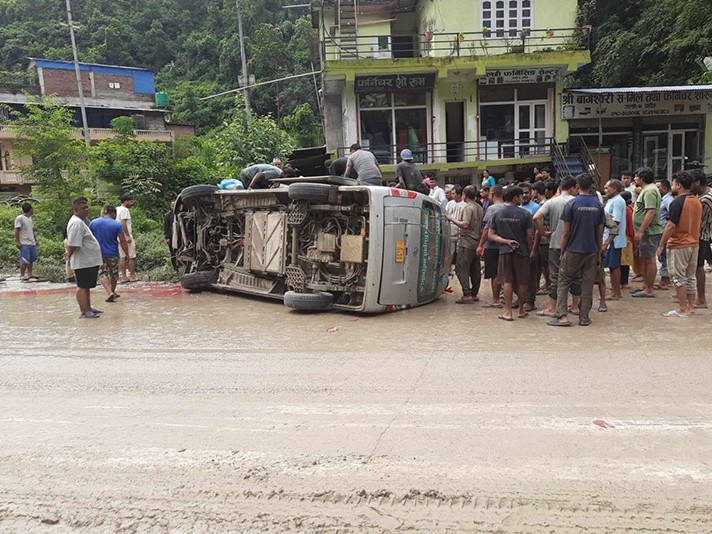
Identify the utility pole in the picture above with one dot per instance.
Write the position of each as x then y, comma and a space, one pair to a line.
85, 127
245, 75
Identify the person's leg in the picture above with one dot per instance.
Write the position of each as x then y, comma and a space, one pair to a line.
544, 263
508, 295
83, 300
565, 279
700, 275
587, 265
625, 275
132, 269
651, 273
122, 268
475, 274
554, 260
532, 284
462, 271
692, 258
106, 284
664, 275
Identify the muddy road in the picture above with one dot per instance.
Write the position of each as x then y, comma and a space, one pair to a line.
178, 412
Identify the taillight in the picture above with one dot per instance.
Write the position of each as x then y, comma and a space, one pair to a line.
404, 193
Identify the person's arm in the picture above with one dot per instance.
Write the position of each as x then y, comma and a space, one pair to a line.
257, 178
349, 168
17, 238
535, 247
497, 239
69, 251
649, 215
602, 247
530, 241
539, 222
667, 234
483, 240
565, 236
124, 245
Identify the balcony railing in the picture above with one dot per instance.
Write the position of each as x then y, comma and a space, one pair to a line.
11, 178
99, 134
466, 44
469, 151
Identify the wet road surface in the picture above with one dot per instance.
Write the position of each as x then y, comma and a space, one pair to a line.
181, 412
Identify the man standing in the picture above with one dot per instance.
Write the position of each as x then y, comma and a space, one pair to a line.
123, 215
629, 184
408, 174
682, 237
109, 233
467, 266
663, 186
581, 244
527, 203
648, 230
168, 220
615, 208
551, 212
26, 242
365, 164
437, 193
84, 255
512, 228
488, 249
704, 193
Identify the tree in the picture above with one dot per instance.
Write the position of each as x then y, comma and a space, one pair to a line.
238, 145
303, 126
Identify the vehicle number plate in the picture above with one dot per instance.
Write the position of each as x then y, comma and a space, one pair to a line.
400, 251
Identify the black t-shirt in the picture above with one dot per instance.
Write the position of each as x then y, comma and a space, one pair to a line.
512, 222
411, 175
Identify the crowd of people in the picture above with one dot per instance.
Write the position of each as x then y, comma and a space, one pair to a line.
566, 234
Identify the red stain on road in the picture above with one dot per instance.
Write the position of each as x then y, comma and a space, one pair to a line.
603, 424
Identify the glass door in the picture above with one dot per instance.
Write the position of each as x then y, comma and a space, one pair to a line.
677, 154
531, 129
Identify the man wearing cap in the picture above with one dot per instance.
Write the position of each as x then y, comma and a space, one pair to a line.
408, 174
365, 164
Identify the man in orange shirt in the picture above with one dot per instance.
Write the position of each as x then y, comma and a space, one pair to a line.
682, 237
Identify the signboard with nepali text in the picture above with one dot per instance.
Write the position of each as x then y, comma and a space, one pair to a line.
390, 83
622, 104
521, 75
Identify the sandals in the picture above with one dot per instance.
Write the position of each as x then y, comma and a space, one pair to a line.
463, 300
572, 312
542, 313
112, 297
508, 319
641, 295
675, 314
556, 322
90, 315
584, 322
602, 307
492, 305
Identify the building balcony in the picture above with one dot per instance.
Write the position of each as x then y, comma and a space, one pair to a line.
352, 47
504, 151
11, 178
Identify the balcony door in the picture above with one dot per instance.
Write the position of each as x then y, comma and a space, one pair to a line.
531, 128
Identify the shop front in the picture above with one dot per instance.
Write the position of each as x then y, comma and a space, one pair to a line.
664, 128
394, 112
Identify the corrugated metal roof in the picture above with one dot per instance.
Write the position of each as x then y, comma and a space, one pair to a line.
662, 89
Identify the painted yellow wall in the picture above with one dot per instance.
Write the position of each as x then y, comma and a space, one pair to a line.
708, 142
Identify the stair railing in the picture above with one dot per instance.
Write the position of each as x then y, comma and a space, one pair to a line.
558, 157
590, 163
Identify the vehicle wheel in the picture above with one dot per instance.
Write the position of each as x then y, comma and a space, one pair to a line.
308, 301
195, 193
318, 192
198, 281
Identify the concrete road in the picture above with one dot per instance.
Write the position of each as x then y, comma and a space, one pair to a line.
179, 412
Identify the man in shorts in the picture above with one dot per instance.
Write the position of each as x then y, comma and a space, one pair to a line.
648, 230
123, 215
488, 249
682, 239
109, 233
84, 255
26, 242
616, 209
513, 229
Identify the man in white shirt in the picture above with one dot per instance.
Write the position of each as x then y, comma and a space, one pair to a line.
436, 192
123, 215
84, 255
26, 242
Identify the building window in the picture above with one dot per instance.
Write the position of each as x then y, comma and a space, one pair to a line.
507, 17
391, 122
114, 85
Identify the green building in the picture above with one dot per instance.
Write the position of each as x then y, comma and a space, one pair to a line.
466, 85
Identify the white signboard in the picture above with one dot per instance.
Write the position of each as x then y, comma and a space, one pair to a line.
521, 75
635, 104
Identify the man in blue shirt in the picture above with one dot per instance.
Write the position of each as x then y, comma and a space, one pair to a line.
666, 193
615, 208
583, 219
110, 234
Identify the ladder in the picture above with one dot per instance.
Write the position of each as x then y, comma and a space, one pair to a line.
347, 21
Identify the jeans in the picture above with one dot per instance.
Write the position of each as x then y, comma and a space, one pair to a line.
576, 267
467, 269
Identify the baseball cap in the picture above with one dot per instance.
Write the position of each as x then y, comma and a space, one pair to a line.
406, 154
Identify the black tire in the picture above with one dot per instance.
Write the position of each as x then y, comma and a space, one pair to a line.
319, 192
308, 301
195, 193
199, 281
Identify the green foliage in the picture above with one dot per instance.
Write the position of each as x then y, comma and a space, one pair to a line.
238, 145
645, 42
304, 127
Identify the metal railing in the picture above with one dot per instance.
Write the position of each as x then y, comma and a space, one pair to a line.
449, 44
589, 162
460, 152
559, 159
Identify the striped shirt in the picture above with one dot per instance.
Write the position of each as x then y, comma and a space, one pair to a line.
706, 228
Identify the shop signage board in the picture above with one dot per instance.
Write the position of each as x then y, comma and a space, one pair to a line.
521, 75
635, 104
395, 82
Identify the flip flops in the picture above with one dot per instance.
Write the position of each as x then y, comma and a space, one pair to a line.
602, 307
508, 319
112, 297
572, 312
584, 322
675, 314
542, 313
556, 322
522, 315
492, 305
641, 295
700, 306
90, 315
466, 301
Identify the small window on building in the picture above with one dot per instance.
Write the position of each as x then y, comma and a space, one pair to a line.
114, 85
510, 21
